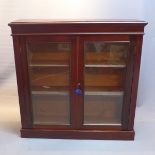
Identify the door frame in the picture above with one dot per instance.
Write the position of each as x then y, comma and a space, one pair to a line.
28, 114
127, 83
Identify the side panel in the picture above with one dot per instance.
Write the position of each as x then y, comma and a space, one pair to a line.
136, 68
22, 81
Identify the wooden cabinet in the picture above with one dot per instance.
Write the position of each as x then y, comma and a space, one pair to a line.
77, 79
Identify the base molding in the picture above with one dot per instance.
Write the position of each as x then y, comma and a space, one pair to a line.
78, 134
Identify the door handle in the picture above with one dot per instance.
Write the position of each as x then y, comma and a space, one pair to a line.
78, 90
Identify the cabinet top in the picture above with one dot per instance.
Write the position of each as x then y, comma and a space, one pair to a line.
72, 21
71, 27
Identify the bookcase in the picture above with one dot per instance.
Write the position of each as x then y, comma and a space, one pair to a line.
77, 79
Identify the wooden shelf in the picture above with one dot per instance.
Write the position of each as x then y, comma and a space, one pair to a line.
49, 88
49, 93
106, 65
104, 93
49, 65
103, 88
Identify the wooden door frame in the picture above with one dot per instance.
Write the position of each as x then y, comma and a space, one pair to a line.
128, 80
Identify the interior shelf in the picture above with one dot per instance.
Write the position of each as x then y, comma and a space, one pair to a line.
49, 65
49, 93
105, 93
47, 88
106, 65
104, 88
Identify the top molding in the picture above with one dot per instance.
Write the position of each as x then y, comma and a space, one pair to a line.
85, 27
50, 21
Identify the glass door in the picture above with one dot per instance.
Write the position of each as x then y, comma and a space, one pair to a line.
105, 66
49, 65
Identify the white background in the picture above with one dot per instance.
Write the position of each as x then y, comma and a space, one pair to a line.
10, 142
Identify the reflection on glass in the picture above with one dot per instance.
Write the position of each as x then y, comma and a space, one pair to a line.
110, 53
49, 72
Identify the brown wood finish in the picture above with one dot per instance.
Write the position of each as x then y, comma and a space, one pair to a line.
121, 76
136, 69
27, 28
80, 80
73, 81
22, 82
128, 84
81, 134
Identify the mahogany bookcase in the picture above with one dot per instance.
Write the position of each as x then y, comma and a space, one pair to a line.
77, 79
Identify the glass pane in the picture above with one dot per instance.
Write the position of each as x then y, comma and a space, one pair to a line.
49, 72
50, 108
49, 78
102, 108
104, 76
106, 53
49, 53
